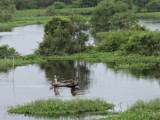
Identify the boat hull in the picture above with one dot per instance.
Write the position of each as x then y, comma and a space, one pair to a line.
65, 85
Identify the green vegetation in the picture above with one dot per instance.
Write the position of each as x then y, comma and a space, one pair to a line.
64, 36
6, 9
140, 111
6, 52
105, 14
135, 64
56, 107
131, 42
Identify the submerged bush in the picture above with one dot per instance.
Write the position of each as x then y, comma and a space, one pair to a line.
6, 52
63, 36
131, 42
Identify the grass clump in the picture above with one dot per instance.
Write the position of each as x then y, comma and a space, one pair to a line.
141, 110
57, 107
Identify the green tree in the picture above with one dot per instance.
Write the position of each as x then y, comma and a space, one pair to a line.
122, 21
101, 15
141, 3
153, 6
63, 36
6, 9
89, 3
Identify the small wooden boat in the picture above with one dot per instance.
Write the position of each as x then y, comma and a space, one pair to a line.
65, 85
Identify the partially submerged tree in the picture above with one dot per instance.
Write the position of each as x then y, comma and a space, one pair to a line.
63, 36
102, 15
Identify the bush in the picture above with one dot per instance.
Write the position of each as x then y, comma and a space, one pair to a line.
147, 44
104, 11
131, 42
6, 52
114, 40
50, 11
5, 16
58, 5
153, 6
63, 36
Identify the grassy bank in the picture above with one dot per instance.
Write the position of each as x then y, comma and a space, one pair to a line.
141, 110
135, 64
39, 16
56, 107
148, 15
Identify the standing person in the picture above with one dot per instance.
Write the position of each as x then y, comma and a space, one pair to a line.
56, 80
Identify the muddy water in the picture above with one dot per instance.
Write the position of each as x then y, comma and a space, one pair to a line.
96, 80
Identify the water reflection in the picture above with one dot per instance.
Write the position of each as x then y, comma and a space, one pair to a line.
57, 93
32, 82
66, 70
148, 73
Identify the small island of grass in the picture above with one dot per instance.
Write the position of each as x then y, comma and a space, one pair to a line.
56, 107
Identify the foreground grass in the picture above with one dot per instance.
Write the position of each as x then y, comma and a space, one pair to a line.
57, 107
141, 110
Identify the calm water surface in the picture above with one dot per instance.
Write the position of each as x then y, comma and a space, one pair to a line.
24, 39
96, 80
150, 24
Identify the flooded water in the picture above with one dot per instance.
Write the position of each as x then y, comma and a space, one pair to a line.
150, 24
24, 39
96, 80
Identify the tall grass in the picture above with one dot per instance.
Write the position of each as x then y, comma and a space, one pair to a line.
153, 105
148, 15
57, 107
141, 110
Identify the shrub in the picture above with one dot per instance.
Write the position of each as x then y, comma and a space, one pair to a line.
153, 6
58, 5
131, 42
114, 40
147, 43
50, 11
6, 52
63, 36
5, 16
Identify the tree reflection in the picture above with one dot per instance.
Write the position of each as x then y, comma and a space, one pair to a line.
151, 73
66, 70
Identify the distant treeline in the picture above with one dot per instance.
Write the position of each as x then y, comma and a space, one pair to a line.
138, 5
35, 4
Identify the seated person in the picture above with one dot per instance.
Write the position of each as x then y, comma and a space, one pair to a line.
55, 80
72, 80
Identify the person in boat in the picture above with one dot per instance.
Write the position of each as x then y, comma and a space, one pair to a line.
56, 80
72, 81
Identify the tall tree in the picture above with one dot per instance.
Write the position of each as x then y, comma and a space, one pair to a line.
101, 15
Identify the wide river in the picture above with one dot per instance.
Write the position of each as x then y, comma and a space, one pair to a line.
96, 80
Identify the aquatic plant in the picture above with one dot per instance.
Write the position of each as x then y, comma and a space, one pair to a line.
57, 107
141, 110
